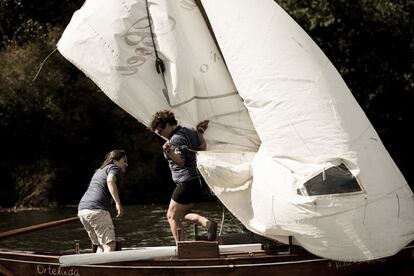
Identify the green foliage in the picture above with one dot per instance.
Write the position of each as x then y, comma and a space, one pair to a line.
34, 184
62, 118
62, 125
22, 21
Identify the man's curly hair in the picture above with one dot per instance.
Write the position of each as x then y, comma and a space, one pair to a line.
161, 119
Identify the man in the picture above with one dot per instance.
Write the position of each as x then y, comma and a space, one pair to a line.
180, 152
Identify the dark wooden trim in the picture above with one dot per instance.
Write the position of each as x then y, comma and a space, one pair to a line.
28, 229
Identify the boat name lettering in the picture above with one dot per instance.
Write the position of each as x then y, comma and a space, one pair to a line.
56, 270
138, 39
338, 264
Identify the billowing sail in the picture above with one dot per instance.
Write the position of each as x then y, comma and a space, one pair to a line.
290, 152
111, 43
322, 173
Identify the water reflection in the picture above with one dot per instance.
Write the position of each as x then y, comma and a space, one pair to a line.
142, 225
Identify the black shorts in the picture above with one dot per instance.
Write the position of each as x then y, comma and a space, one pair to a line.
188, 192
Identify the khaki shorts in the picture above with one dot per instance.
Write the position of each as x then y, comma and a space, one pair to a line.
98, 224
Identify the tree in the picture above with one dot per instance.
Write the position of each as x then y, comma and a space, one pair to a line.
63, 124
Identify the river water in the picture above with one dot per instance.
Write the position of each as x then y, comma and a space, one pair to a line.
142, 225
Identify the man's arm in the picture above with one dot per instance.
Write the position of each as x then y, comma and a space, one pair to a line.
170, 152
201, 127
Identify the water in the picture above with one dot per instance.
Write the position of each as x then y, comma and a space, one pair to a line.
142, 225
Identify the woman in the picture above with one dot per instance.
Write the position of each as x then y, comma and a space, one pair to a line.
93, 209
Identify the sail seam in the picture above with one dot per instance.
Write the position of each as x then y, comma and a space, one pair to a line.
203, 98
398, 203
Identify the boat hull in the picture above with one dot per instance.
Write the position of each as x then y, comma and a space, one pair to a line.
281, 263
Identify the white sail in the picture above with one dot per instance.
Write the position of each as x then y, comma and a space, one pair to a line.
319, 171
111, 43
309, 124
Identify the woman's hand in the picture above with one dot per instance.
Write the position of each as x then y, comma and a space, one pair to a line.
120, 210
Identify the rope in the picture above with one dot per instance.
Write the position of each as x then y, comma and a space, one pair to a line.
222, 219
41, 65
159, 64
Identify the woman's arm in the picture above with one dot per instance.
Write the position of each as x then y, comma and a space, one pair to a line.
113, 189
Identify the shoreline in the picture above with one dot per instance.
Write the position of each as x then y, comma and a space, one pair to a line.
23, 209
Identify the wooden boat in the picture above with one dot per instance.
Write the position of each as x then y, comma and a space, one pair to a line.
197, 257
318, 172
290, 151
276, 261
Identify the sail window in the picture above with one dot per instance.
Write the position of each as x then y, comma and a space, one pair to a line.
335, 180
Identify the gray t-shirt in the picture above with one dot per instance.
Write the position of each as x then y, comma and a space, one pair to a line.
97, 196
183, 136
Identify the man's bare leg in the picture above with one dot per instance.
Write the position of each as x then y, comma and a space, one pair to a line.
175, 214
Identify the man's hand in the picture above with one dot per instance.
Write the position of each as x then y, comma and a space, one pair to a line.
202, 126
167, 147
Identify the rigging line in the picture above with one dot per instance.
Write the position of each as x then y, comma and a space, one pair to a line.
41, 65
152, 34
222, 220
159, 64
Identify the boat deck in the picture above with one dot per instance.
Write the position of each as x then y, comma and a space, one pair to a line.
262, 262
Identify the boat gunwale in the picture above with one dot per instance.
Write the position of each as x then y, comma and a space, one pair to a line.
226, 260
